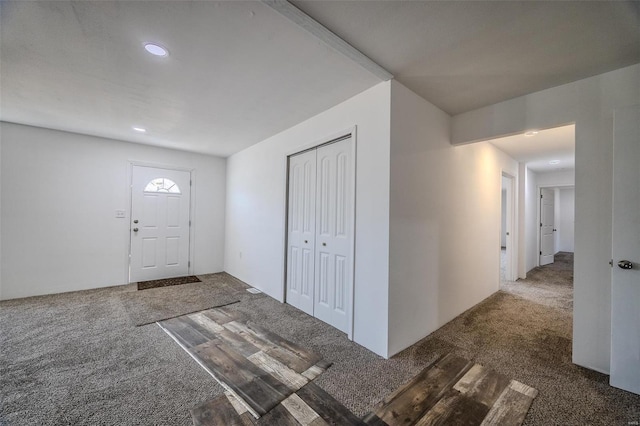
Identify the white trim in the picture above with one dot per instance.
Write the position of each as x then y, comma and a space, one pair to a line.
511, 273
352, 134
323, 34
539, 216
192, 207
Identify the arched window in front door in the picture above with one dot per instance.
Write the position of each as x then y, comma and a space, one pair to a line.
162, 185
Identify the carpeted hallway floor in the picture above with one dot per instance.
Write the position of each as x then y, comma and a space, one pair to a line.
75, 359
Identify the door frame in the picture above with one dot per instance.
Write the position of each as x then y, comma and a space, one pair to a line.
539, 216
352, 133
192, 196
511, 272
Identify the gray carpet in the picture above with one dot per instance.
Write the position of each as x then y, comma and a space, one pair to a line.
75, 359
550, 285
150, 305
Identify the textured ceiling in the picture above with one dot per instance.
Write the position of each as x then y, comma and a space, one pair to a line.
239, 72
462, 55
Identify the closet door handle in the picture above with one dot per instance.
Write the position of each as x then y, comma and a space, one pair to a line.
324, 244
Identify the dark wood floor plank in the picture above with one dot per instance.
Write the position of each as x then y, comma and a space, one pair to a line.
205, 322
330, 410
278, 370
212, 330
302, 412
372, 420
424, 391
255, 386
217, 412
280, 353
387, 399
454, 409
511, 407
482, 384
222, 316
183, 332
304, 353
279, 416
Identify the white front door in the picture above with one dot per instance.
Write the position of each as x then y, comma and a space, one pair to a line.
320, 232
302, 230
625, 274
547, 247
160, 204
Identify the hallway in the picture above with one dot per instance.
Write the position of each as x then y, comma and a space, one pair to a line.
549, 285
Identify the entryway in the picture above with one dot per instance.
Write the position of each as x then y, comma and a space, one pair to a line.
320, 232
160, 222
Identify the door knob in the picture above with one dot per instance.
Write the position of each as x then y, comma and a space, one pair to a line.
625, 264
135, 229
305, 241
135, 221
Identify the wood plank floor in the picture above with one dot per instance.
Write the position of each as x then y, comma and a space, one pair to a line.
309, 406
258, 368
454, 391
268, 382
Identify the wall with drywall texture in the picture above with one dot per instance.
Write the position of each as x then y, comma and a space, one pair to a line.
59, 195
445, 205
256, 208
588, 103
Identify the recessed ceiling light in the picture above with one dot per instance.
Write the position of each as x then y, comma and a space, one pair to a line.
140, 129
531, 133
554, 162
156, 49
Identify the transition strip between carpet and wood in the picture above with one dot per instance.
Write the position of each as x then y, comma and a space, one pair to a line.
259, 368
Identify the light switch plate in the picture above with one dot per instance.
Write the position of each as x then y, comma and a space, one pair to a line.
120, 214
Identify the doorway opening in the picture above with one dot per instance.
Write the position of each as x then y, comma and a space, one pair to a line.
545, 207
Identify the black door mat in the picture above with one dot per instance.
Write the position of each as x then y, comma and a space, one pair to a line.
145, 285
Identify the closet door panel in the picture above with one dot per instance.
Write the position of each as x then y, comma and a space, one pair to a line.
333, 241
301, 231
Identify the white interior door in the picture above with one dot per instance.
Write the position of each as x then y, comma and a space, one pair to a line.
320, 233
547, 246
301, 231
160, 204
625, 274
334, 212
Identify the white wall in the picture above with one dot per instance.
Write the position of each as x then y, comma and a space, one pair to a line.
59, 194
566, 220
561, 178
588, 103
445, 220
255, 227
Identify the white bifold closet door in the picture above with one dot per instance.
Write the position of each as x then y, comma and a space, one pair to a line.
320, 233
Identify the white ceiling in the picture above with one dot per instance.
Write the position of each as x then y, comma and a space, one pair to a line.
536, 151
239, 72
461, 55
